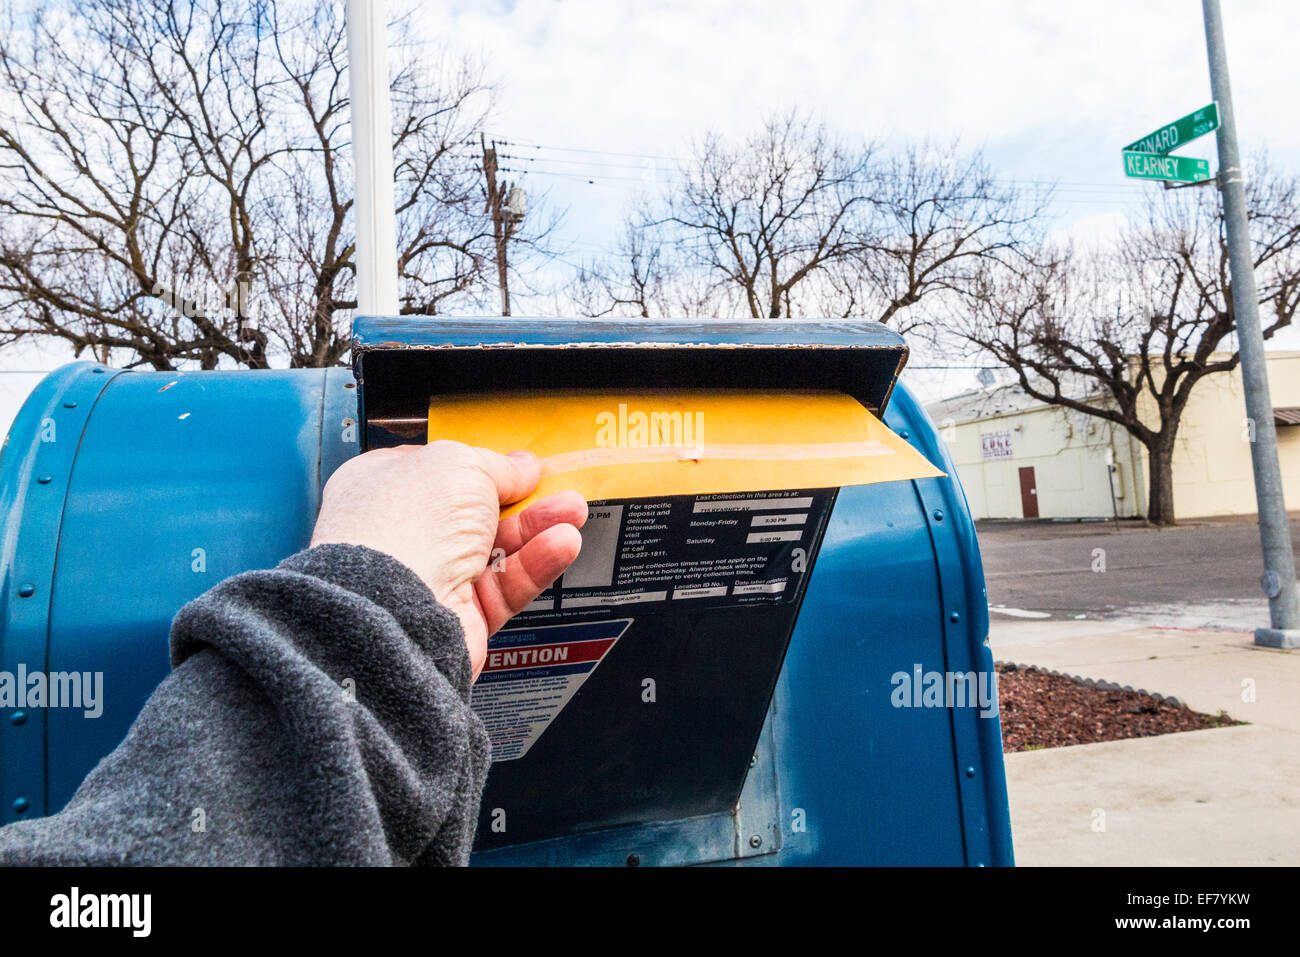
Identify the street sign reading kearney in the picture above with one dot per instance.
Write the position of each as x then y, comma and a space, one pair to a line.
1184, 169
1180, 131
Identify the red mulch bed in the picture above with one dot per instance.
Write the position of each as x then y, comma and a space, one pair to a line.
1041, 710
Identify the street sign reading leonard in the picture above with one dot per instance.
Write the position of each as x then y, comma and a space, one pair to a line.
1180, 131
1183, 169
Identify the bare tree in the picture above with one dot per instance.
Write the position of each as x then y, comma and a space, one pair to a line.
158, 157
793, 221
634, 282
1125, 332
645, 276
939, 220
743, 225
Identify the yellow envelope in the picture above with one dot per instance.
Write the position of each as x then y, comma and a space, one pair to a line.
647, 443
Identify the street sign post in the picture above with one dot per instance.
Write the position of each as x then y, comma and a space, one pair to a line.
1182, 169
1180, 131
1278, 580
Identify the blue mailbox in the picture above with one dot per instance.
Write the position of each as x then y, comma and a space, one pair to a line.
791, 732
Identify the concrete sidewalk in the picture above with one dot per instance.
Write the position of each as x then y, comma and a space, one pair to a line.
1218, 797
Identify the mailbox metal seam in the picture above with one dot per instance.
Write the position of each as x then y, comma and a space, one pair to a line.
985, 820
66, 397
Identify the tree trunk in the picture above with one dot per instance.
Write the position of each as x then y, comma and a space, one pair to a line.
1160, 482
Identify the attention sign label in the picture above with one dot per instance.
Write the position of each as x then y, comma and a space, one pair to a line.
530, 675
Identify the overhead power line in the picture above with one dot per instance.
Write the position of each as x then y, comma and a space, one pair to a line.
608, 181
577, 149
1033, 181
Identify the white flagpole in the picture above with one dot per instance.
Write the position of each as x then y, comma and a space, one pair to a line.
372, 151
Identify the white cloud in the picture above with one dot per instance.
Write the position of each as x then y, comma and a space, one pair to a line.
1050, 90
989, 69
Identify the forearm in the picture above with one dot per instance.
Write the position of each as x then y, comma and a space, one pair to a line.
317, 713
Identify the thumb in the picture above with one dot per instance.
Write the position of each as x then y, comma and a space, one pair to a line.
514, 475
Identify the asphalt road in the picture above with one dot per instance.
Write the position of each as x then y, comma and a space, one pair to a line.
1056, 569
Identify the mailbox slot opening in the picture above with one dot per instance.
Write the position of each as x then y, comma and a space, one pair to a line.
400, 363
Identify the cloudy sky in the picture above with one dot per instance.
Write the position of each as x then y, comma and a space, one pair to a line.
601, 95
605, 93
1050, 90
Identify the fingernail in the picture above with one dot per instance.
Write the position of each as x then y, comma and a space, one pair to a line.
523, 455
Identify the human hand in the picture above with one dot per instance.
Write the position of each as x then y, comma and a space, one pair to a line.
436, 509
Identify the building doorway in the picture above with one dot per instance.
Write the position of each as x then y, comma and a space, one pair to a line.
1028, 492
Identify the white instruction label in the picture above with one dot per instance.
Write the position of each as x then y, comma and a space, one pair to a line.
651, 555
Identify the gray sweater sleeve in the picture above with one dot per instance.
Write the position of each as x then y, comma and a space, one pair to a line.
316, 713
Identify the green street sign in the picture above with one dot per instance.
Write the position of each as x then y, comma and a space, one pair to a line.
1184, 169
1180, 131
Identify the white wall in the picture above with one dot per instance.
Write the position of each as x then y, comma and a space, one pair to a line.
1067, 452
1212, 463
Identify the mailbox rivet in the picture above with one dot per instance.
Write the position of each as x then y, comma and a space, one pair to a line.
755, 841
69, 405
970, 771
45, 479
954, 616
753, 761
18, 717
905, 434
26, 590
938, 515
20, 805
634, 860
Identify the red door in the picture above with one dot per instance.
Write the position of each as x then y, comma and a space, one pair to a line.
1028, 492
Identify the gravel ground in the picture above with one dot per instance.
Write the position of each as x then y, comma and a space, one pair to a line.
1041, 710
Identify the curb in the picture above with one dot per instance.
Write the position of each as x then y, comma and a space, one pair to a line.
1100, 685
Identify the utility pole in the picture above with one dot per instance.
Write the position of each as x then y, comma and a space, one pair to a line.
506, 204
1278, 580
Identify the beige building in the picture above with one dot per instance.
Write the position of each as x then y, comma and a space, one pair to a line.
1019, 458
